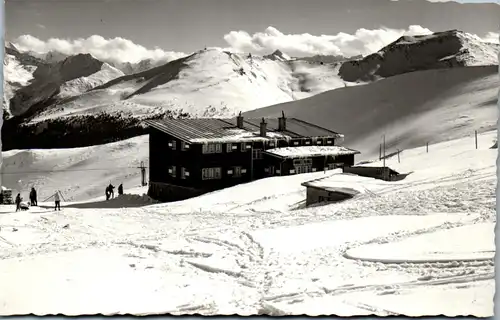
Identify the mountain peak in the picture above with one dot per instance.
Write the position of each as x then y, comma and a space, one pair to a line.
278, 55
452, 48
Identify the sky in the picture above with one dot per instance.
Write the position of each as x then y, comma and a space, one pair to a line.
131, 30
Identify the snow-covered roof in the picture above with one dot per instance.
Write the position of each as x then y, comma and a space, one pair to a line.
241, 135
204, 130
310, 151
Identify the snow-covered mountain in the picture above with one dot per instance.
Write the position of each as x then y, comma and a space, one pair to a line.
410, 109
52, 82
210, 83
412, 53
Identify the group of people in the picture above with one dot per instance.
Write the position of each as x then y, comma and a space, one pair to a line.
110, 193
34, 200
32, 196
57, 200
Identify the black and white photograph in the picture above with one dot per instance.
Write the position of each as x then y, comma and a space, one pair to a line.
249, 157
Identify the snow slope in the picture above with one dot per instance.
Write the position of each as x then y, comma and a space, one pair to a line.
211, 82
248, 249
80, 85
410, 109
423, 52
79, 173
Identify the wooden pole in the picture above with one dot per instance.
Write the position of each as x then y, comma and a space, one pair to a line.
380, 152
399, 161
62, 195
384, 151
427, 147
475, 135
251, 163
143, 173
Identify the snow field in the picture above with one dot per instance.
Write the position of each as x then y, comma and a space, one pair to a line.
247, 249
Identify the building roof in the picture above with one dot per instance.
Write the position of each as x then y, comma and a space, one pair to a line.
310, 151
204, 130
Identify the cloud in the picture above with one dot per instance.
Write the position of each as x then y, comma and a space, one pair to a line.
112, 50
41, 26
363, 41
492, 37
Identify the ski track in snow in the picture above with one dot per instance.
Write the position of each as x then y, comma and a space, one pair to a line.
229, 246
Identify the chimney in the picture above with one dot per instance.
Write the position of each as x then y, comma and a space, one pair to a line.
282, 122
239, 121
263, 128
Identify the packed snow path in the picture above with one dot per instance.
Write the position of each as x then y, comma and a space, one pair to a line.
421, 246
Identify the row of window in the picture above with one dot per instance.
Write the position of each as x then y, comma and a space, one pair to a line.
230, 147
208, 173
237, 172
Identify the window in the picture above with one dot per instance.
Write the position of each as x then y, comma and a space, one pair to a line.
218, 148
292, 171
172, 144
329, 141
295, 143
245, 146
308, 143
237, 172
318, 142
172, 171
229, 147
257, 153
211, 148
211, 173
184, 173
184, 146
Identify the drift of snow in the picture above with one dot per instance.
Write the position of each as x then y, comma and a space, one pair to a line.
253, 248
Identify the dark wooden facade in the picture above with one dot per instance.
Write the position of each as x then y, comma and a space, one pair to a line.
181, 168
317, 195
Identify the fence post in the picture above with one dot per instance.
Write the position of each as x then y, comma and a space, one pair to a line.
427, 147
380, 152
475, 137
399, 161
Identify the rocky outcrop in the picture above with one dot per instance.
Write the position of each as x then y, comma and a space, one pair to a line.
47, 81
414, 53
277, 55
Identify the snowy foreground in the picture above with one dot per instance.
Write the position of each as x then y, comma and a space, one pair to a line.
420, 246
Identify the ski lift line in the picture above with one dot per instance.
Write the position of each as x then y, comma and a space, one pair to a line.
71, 170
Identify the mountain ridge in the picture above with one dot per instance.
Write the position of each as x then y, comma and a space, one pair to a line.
215, 83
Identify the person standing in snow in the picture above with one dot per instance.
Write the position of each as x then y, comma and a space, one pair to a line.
120, 189
111, 191
33, 200
107, 193
57, 201
18, 202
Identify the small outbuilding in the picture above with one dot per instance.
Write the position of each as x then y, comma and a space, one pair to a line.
382, 173
316, 194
